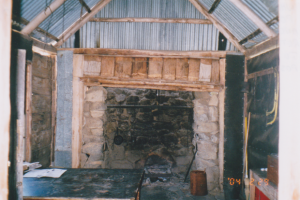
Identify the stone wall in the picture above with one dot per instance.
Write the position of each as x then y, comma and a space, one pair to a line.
92, 134
206, 136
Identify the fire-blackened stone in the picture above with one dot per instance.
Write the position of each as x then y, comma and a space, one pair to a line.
132, 100
169, 140
145, 102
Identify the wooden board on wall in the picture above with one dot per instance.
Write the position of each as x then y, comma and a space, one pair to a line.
108, 66
182, 69
205, 70
155, 68
215, 71
92, 65
139, 68
194, 67
123, 67
169, 68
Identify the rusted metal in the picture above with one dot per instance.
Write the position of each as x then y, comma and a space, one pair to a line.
198, 183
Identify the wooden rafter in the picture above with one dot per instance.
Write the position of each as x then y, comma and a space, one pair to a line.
253, 17
153, 20
214, 6
80, 22
86, 7
38, 29
266, 46
258, 31
41, 17
218, 25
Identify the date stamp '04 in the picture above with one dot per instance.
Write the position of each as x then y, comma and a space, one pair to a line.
233, 181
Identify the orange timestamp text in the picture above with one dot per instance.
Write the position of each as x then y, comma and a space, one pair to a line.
234, 181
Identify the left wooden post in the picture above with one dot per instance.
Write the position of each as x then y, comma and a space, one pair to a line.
5, 35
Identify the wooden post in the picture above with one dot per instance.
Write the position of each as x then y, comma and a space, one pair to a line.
54, 98
5, 35
28, 112
221, 120
77, 118
252, 187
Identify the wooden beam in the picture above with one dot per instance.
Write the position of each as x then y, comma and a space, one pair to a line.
38, 29
252, 16
5, 114
258, 31
86, 7
42, 16
28, 111
263, 47
54, 103
214, 6
148, 53
80, 22
46, 47
261, 73
153, 20
219, 26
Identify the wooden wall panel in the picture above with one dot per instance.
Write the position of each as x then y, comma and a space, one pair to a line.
205, 70
169, 68
139, 68
194, 67
215, 71
155, 68
123, 67
108, 66
92, 65
182, 69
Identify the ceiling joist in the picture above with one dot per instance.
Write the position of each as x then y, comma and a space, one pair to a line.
153, 20
41, 17
86, 7
214, 6
219, 26
252, 16
80, 22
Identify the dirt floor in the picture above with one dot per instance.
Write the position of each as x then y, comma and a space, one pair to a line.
173, 188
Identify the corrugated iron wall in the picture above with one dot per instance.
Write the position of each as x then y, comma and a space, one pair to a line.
150, 36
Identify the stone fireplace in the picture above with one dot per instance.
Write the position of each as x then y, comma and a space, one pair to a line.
159, 129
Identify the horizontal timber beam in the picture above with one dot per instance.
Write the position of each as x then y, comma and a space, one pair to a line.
41, 45
263, 47
218, 25
261, 73
148, 53
153, 20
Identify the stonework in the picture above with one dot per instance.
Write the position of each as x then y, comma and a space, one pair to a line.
206, 137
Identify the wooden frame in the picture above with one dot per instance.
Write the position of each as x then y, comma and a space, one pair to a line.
28, 125
153, 20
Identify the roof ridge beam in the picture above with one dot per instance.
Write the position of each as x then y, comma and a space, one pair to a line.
254, 18
41, 17
219, 26
80, 22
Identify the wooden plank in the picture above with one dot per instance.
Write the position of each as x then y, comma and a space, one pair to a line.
140, 69
5, 114
218, 25
194, 69
252, 187
78, 98
205, 70
268, 188
80, 22
153, 20
155, 68
92, 65
261, 73
28, 125
215, 71
169, 69
254, 18
221, 121
54, 105
148, 53
263, 47
182, 69
108, 66
123, 67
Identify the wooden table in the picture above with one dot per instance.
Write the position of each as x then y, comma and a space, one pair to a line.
259, 179
82, 184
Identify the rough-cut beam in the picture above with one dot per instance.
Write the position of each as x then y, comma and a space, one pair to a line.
80, 22
258, 31
218, 25
86, 7
149, 53
153, 20
252, 16
214, 6
42, 16
26, 22
263, 47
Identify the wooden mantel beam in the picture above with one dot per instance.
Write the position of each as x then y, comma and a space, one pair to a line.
80, 22
252, 16
218, 25
153, 20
